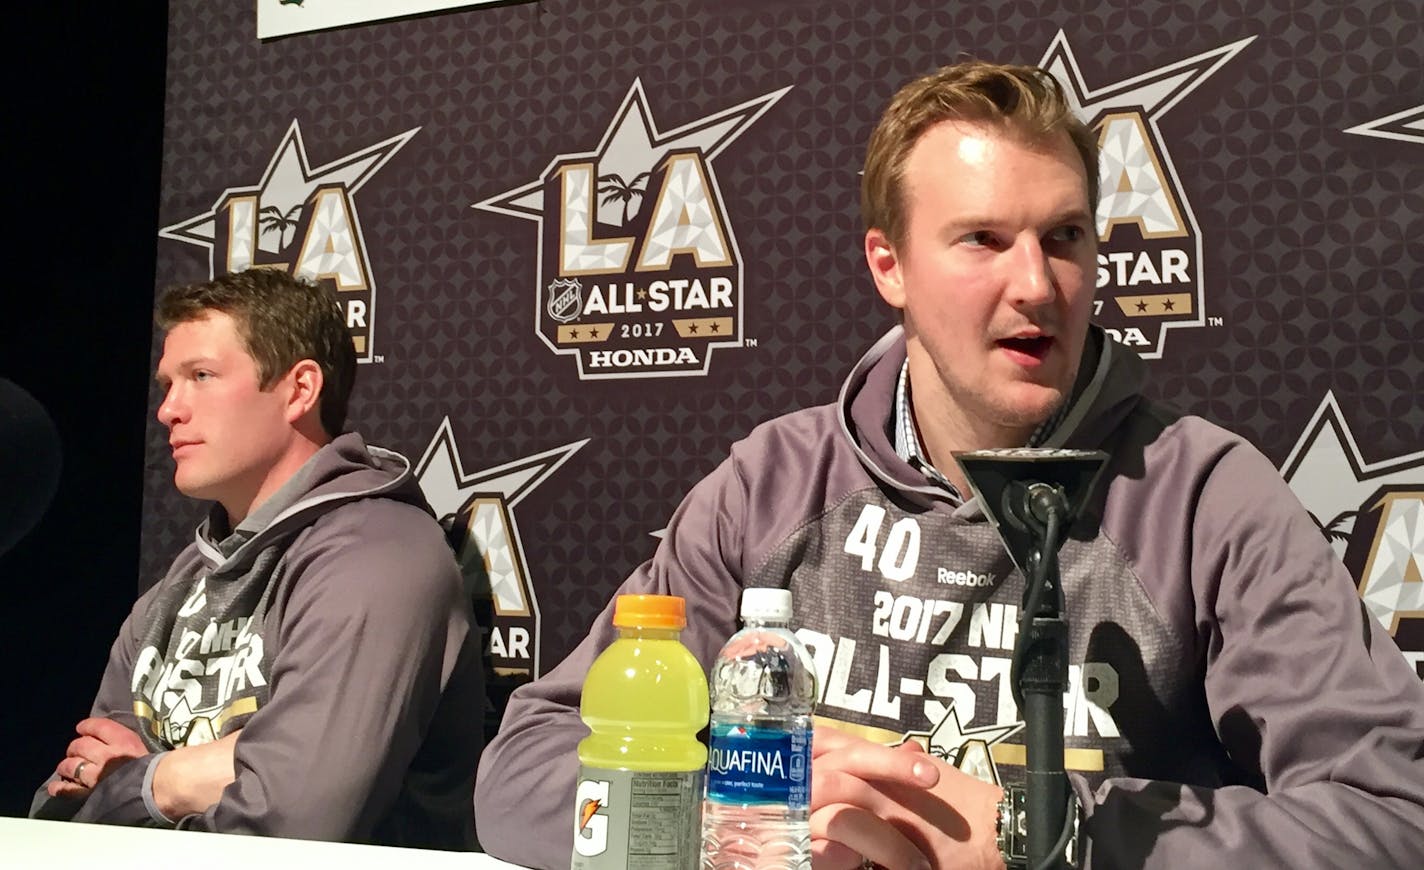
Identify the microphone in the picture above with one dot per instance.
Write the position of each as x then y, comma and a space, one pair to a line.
1031, 497
29, 462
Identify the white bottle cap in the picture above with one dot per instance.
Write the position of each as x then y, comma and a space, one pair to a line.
766, 604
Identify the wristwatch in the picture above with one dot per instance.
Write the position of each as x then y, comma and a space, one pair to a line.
1011, 829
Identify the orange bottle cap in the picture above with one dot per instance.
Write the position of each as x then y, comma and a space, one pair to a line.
650, 611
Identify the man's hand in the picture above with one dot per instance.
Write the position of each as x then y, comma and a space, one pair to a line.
101, 747
897, 807
192, 778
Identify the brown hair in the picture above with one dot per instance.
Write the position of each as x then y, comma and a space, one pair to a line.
281, 320
1025, 100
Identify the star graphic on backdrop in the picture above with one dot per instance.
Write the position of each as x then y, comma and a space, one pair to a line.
450, 489
446, 485
1168, 305
1328, 473
1405, 126
1141, 306
1150, 96
1154, 92
285, 186
633, 144
1338, 486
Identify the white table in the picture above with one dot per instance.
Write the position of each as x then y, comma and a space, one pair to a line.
27, 843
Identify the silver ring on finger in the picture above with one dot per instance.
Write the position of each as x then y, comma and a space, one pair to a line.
79, 772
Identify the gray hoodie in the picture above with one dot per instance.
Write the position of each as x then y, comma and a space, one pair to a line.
1229, 703
331, 627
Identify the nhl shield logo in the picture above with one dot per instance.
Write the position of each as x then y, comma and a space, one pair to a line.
565, 299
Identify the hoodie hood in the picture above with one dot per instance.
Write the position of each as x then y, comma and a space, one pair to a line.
345, 470
1108, 387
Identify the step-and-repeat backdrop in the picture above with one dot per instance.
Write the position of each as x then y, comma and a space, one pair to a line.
584, 245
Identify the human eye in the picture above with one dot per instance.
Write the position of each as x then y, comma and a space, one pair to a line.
202, 375
1068, 233
979, 239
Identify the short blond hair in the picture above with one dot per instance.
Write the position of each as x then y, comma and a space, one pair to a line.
1027, 101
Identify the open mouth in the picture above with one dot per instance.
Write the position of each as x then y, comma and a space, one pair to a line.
1035, 347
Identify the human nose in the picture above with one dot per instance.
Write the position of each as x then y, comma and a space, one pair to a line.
1031, 282
171, 410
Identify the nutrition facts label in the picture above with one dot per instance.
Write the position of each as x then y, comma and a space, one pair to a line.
638, 820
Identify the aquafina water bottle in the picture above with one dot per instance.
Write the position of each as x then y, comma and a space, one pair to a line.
759, 762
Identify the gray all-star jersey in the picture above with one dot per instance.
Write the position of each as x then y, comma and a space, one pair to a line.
1227, 696
331, 627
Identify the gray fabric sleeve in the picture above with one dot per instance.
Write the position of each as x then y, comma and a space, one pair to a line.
120, 799
524, 808
1302, 689
146, 790
371, 629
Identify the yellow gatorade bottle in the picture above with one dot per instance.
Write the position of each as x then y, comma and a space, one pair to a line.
638, 801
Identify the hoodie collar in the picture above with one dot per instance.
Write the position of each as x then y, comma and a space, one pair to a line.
1109, 384
344, 470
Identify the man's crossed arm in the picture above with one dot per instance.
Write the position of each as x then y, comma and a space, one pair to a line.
186, 780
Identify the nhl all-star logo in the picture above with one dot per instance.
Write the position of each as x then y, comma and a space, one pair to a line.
303, 220
638, 269
969, 749
1373, 515
1149, 277
477, 511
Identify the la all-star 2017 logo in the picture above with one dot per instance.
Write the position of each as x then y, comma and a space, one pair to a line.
1149, 277
302, 220
638, 269
1373, 515
477, 511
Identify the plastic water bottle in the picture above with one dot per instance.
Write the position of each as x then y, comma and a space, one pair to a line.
759, 773
637, 803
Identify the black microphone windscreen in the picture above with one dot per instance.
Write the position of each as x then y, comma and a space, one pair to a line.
30, 459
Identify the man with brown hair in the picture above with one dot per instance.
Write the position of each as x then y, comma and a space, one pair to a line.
308, 667
1228, 699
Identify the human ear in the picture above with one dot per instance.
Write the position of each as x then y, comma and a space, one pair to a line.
306, 383
884, 263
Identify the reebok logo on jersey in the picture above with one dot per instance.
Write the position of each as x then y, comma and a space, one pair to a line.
964, 578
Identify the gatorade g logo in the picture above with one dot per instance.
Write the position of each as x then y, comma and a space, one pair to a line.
638, 269
591, 817
1372, 513
302, 220
1150, 258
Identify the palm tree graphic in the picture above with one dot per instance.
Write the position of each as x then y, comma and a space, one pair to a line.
1332, 530
274, 219
615, 189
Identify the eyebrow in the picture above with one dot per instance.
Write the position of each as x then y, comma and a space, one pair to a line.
968, 223
186, 365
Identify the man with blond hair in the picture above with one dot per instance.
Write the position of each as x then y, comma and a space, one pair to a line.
309, 666
1229, 703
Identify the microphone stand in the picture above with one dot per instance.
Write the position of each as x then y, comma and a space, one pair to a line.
1039, 674
1031, 496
